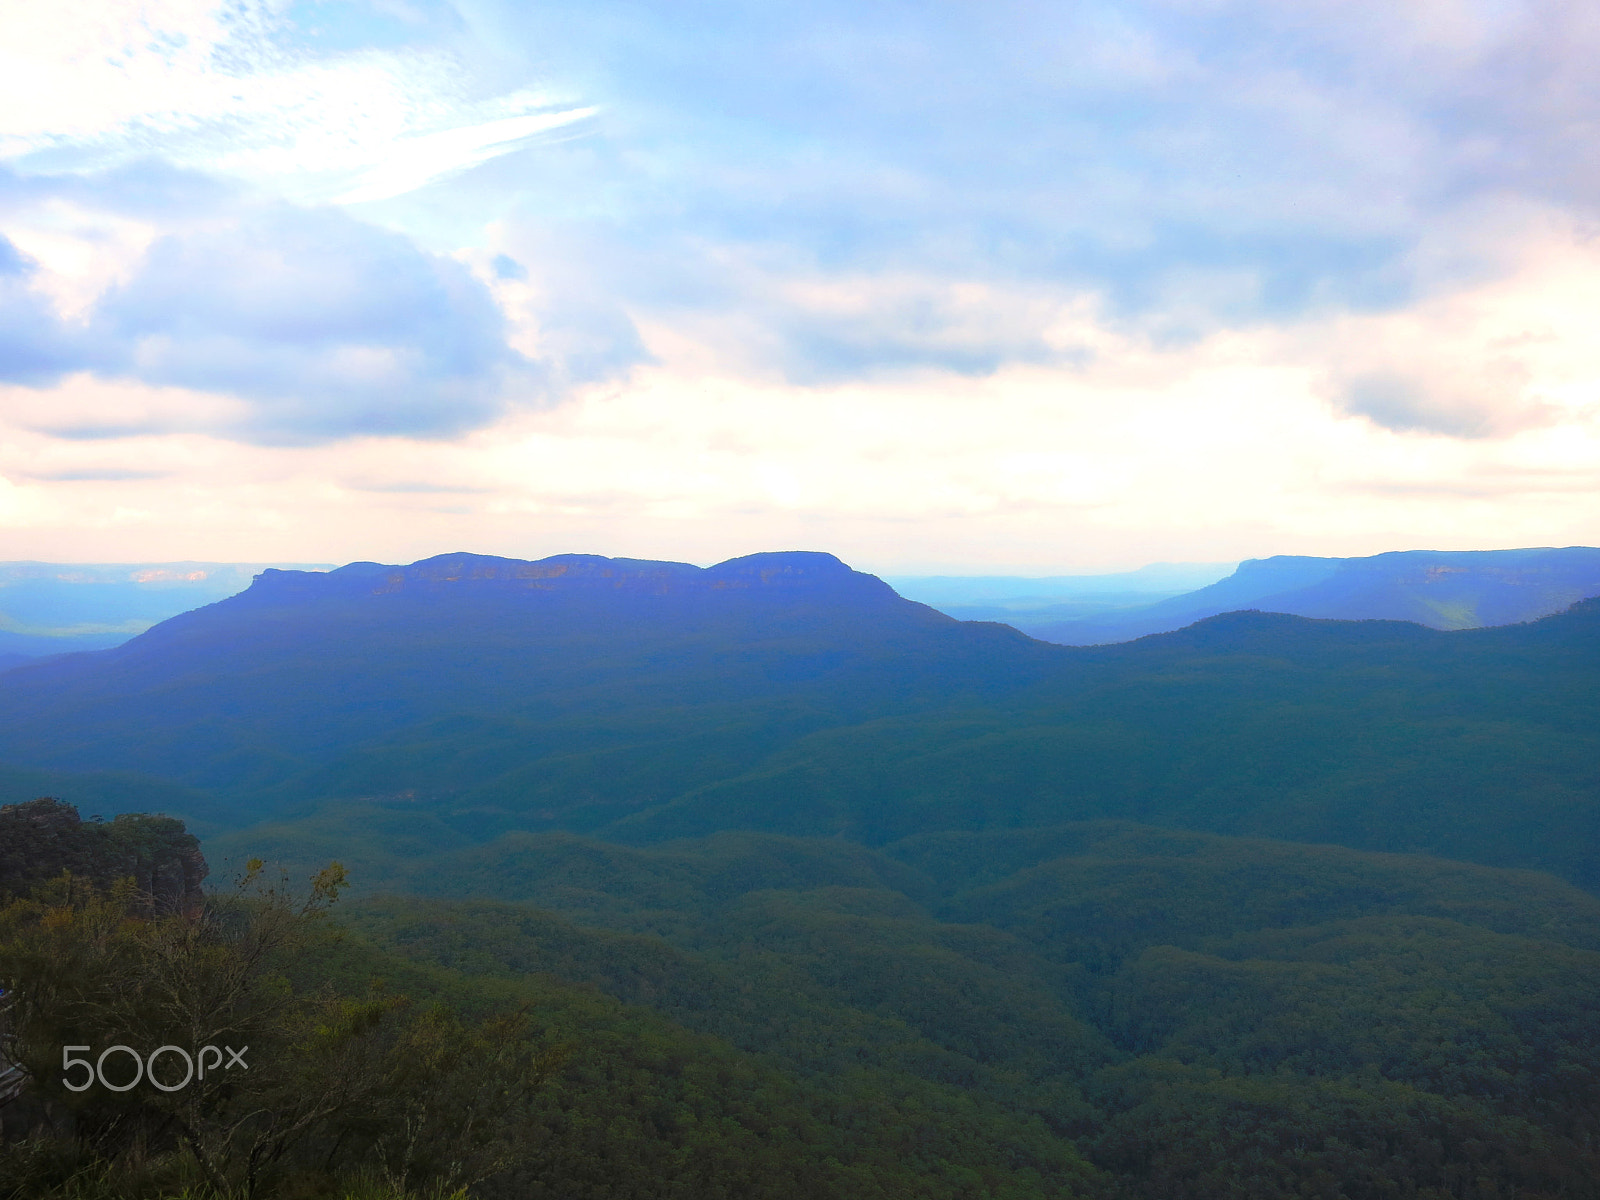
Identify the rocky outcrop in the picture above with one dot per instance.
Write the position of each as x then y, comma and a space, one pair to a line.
42, 838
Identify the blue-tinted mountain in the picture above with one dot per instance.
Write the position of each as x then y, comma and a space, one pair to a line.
774, 849
566, 654
412, 710
1441, 589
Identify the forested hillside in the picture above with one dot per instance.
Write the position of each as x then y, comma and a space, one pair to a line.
1197, 1015
43, 838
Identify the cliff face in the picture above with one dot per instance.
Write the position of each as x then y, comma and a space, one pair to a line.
42, 838
781, 576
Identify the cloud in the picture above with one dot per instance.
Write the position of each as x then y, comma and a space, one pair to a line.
416, 160
320, 325
1503, 357
35, 348
817, 329
354, 102
420, 488
95, 475
815, 194
1447, 403
305, 324
1205, 452
1189, 167
1192, 167
329, 326
562, 314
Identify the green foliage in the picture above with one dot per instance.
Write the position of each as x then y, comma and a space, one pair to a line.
331, 1080
1370, 735
1197, 1015
883, 925
1093, 1010
43, 838
1178, 1130
765, 1046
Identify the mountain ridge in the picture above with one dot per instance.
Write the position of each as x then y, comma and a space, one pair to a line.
466, 696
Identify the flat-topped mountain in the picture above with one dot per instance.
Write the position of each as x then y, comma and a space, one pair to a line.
766, 843
252, 690
1442, 589
781, 576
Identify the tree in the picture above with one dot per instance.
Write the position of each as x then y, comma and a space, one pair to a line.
192, 1039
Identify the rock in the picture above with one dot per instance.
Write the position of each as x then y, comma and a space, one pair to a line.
42, 838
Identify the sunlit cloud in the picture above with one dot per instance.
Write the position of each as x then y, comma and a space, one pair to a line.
230, 87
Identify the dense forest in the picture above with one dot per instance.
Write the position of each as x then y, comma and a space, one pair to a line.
44, 839
1100, 1009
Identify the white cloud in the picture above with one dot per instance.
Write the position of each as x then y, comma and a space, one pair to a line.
81, 69
419, 159
78, 252
82, 407
1480, 359
224, 87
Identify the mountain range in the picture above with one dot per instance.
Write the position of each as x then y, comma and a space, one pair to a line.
1442, 589
53, 608
465, 696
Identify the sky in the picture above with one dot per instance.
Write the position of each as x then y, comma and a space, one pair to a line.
940, 288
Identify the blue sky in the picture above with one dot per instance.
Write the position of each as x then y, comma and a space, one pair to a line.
936, 286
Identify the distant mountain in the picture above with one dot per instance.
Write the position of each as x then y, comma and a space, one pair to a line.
54, 608
568, 655
1442, 589
1054, 598
831, 895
